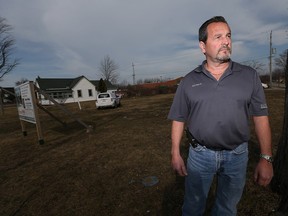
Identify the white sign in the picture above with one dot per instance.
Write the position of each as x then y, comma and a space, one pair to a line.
25, 103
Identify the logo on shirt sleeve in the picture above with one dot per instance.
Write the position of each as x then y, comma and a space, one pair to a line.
263, 106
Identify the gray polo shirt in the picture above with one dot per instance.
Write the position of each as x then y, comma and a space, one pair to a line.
217, 112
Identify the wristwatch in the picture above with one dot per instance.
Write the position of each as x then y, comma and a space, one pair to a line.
267, 157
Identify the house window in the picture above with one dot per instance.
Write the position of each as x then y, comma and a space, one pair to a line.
79, 93
90, 92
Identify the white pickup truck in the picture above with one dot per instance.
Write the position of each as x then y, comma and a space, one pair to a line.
107, 99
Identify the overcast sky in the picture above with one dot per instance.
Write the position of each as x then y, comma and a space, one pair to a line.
69, 38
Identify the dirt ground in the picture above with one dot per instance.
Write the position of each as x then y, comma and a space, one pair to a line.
103, 172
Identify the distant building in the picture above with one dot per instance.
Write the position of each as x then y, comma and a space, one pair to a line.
169, 83
166, 87
69, 90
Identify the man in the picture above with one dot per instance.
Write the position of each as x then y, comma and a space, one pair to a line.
214, 102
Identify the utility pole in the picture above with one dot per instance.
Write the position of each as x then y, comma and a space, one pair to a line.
270, 58
133, 73
272, 51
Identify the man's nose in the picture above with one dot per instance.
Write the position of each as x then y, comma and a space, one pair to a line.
226, 40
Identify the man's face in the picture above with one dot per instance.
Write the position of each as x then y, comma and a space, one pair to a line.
218, 45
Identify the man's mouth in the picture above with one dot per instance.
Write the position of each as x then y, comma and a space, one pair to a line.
225, 49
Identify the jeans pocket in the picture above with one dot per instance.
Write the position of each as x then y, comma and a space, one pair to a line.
241, 149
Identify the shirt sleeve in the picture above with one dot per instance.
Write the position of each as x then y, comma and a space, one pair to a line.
258, 106
179, 110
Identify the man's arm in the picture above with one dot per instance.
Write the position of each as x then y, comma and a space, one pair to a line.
176, 136
264, 170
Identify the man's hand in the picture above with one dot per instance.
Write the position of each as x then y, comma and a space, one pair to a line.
263, 172
178, 165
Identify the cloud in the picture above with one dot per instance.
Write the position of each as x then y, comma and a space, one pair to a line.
71, 37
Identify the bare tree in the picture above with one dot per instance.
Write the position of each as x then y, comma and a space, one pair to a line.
21, 81
124, 83
256, 65
279, 71
154, 80
6, 45
139, 81
280, 61
108, 69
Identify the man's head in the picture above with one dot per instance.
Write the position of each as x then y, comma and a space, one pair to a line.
215, 39
203, 34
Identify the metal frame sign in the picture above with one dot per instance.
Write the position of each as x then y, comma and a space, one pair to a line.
27, 107
25, 103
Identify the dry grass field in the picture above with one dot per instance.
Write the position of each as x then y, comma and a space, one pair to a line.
102, 172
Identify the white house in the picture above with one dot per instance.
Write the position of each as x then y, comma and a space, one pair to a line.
65, 90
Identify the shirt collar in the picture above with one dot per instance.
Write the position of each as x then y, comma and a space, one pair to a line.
232, 67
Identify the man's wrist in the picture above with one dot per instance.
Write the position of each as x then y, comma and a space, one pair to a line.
268, 158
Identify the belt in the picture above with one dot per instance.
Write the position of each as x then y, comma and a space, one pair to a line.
209, 147
194, 142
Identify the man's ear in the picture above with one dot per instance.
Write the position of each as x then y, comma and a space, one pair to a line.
202, 46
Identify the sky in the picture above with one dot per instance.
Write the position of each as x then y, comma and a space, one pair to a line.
69, 38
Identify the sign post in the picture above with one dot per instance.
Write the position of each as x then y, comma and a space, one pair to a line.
27, 107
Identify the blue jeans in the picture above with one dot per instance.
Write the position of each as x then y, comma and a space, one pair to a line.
230, 168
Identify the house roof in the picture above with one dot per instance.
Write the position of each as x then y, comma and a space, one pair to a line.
65, 84
109, 85
56, 84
